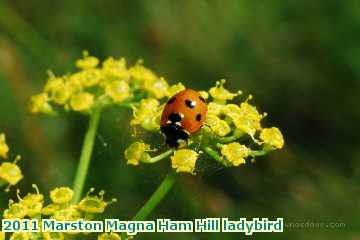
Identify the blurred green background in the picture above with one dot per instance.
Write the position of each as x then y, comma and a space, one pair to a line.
300, 60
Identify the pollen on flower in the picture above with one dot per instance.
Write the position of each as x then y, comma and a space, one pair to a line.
82, 101
4, 148
61, 195
184, 160
135, 152
109, 236
15, 210
235, 153
273, 137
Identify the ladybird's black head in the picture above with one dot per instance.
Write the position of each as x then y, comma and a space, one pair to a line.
174, 134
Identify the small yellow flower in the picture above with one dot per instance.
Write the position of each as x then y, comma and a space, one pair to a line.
91, 77
174, 89
219, 93
215, 108
33, 208
50, 209
204, 94
53, 236
74, 82
218, 126
158, 87
118, 90
53, 83
148, 115
235, 153
2, 235
135, 152
94, 204
141, 74
20, 236
87, 61
115, 69
33, 202
184, 160
59, 90
15, 210
273, 137
34, 197
10, 172
82, 101
4, 148
246, 117
222, 128
39, 103
61, 195
109, 236
69, 213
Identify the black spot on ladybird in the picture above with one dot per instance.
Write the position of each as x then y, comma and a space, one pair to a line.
202, 99
190, 104
174, 117
198, 117
171, 100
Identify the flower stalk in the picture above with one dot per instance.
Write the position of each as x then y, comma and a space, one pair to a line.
86, 154
157, 196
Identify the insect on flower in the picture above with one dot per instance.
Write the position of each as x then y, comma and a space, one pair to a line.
183, 115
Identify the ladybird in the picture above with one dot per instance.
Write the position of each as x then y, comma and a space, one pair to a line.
184, 114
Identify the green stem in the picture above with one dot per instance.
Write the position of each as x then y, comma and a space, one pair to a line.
86, 153
212, 153
158, 157
258, 153
157, 196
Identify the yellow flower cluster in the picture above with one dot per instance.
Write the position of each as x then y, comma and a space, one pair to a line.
61, 208
10, 173
113, 82
225, 124
95, 85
